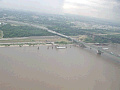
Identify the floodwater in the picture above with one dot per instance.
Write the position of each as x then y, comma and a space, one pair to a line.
27, 68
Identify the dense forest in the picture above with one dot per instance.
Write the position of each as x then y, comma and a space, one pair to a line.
0, 34
103, 39
69, 31
22, 31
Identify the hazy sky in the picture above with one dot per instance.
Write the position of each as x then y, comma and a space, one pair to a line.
108, 9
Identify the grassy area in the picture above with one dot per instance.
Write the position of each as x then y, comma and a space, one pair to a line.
80, 37
21, 44
16, 40
34, 40
31, 41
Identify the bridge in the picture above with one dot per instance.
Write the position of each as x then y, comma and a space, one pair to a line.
80, 43
83, 44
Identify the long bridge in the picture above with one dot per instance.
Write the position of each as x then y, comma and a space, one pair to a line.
83, 44
80, 43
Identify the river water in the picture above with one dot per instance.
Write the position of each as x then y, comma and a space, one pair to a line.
27, 68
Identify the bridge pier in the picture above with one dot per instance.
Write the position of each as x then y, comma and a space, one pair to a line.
82, 45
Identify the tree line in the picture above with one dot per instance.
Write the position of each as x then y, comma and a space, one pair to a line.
22, 31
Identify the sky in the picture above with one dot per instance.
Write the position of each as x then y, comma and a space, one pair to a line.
105, 9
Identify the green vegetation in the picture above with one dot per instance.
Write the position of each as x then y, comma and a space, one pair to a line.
22, 44
70, 25
1, 34
63, 42
67, 30
88, 40
113, 38
22, 31
103, 39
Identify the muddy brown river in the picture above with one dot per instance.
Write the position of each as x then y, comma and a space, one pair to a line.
27, 68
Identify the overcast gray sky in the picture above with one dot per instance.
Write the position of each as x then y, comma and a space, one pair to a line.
106, 9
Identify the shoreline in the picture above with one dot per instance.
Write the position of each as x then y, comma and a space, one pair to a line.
23, 45
27, 45
52, 45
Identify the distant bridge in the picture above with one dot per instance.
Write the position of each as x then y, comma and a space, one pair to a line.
83, 44
80, 43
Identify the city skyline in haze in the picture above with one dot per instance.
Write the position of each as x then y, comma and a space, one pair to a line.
104, 9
